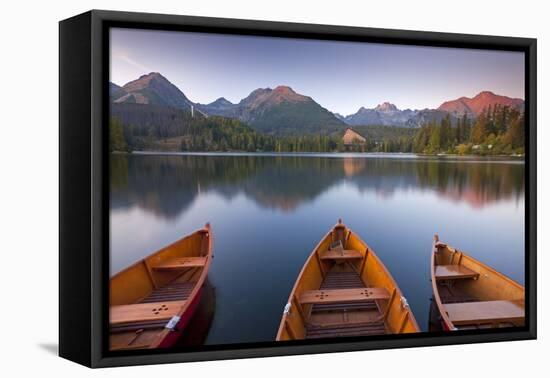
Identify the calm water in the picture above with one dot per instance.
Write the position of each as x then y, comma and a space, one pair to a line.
268, 212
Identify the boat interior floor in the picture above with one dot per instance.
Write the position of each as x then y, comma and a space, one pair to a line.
174, 291
344, 319
453, 294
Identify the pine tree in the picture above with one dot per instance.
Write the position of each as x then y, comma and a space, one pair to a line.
435, 138
117, 141
465, 131
501, 119
446, 133
515, 136
479, 131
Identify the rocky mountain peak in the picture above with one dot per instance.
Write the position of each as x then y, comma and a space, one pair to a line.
386, 107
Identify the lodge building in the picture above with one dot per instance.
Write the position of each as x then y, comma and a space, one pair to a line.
353, 138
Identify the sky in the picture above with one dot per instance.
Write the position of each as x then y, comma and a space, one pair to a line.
340, 76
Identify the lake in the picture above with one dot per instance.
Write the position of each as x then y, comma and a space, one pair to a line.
268, 212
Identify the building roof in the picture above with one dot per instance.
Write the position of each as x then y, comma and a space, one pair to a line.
353, 137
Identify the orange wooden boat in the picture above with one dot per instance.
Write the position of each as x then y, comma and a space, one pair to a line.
344, 289
470, 295
152, 301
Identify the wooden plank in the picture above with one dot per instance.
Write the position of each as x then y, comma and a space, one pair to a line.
150, 274
346, 329
454, 272
317, 255
364, 262
155, 311
289, 329
181, 263
342, 254
344, 295
300, 310
403, 321
485, 312
387, 311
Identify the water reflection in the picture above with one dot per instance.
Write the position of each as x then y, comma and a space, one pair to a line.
167, 185
198, 327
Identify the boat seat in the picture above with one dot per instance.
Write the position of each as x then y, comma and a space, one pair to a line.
144, 312
341, 254
181, 263
343, 280
344, 295
486, 312
454, 272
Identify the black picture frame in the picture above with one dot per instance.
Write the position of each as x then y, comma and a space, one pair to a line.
84, 189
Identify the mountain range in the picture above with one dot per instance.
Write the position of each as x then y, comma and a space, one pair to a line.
282, 111
384, 114
388, 114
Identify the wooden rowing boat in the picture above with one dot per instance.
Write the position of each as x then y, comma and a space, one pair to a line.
152, 301
344, 289
470, 295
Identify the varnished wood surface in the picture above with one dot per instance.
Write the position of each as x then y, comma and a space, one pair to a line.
170, 292
350, 329
486, 311
344, 295
342, 254
142, 312
454, 272
181, 263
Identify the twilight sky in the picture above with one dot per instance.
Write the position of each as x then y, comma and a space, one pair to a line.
340, 76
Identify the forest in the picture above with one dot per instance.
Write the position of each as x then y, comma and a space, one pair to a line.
499, 130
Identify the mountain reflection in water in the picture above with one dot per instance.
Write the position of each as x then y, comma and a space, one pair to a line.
168, 185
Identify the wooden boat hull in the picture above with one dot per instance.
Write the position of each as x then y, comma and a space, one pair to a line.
153, 301
344, 289
172, 337
471, 295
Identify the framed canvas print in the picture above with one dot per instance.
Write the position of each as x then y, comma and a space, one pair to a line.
234, 188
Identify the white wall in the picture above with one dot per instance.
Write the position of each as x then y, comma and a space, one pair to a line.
28, 200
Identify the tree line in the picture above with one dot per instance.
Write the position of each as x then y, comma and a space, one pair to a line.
497, 130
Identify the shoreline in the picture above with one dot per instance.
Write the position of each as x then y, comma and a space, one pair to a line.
379, 155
